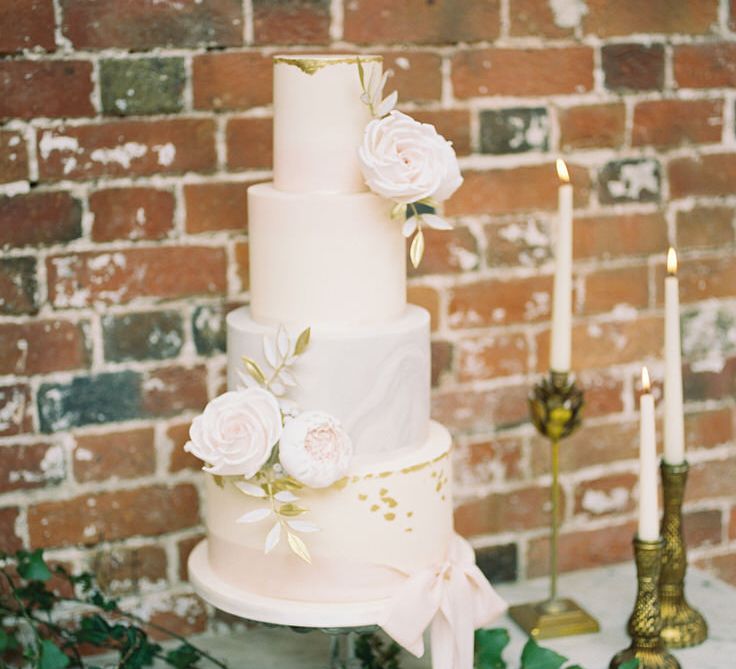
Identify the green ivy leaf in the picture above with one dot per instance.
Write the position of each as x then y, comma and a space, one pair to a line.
489, 645
633, 663
51, 656
535, 657
183, 657
7, 642
33, 568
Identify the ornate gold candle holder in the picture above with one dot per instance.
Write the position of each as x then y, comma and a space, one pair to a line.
682, 625
554, 405
645, 623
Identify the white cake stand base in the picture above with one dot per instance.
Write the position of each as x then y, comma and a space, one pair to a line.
341, 620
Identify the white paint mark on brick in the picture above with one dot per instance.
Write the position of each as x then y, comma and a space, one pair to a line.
635, 178
166, 153
15, 188
465, 259
537, 306
50, 143
599, 501
123, 155
568, 13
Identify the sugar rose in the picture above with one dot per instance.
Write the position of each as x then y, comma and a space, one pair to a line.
236, 432
406, 161
314, 449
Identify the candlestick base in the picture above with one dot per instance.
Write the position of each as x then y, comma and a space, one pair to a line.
553, 618
649, 658
682, 625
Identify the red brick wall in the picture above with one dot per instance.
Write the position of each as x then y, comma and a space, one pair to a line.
130, 130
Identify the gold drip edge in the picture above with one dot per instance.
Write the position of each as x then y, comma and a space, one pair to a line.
310, 65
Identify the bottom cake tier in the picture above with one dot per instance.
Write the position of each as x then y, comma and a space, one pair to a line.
376, 526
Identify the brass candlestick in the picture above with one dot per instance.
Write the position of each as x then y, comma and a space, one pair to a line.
682, 625
645, 623
555, 405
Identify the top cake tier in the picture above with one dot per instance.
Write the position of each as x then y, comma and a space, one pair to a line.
319, 121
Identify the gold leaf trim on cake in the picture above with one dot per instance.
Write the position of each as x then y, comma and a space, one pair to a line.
311, 65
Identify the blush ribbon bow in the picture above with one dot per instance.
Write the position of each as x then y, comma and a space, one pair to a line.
455, 598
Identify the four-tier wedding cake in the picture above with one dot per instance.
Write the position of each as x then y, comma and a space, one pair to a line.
328, 487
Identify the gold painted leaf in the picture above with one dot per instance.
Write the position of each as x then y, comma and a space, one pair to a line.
398, 211
290, 510
416, 252
218, 480
286, 483
254, 370
299, 547
361, 74
302, 341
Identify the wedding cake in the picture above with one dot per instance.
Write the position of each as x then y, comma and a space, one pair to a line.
328, 487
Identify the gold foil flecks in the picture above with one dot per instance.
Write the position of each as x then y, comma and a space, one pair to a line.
340, 485
389, 516
311, 65
383, 492
409, 514
409, 529
375, 507
385, 475
362, 497
390, 501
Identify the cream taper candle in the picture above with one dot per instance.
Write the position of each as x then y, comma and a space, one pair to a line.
674, 427
648, 501
560, 343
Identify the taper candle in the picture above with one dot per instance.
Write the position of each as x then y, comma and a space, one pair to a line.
648, 501
674, 428
560, 344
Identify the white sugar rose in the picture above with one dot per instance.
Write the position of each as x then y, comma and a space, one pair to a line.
314, 449
236, 432
406, 161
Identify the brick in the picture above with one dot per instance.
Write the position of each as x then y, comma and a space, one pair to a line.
701, 279
45, 88
716, 478
143, 24
40, 347
9, 539
499, 302
89, 400
630, 180
517, 243
708, 334
148, 335
605, 496
447, 252
491, 356
515, 130
732, 524
702, 528
489, 461
732, 14
131, 213
599, 345
228, 81
13, 156
183, 549
690, 17
452, 124
120, 454
15, 416
122, 570
291, 21
479, 410
27, 25
444, 21
633, 67
619, 236
711, 174
125, 148
592, 126
536, 18
109, 516
171, 390
142, 86
605, 290
18, 286
83, 279
522, 72
711, 65
721, 566
208, 329
242, 265
582, 549
520, 189
709, 384
39, 219
426, 297
708, 428
249, 143
523, 509
26, 466
442, 353
177, 436
182, 614
216, 206
705, 227
417, 76
499, 564
670, 123
604, 394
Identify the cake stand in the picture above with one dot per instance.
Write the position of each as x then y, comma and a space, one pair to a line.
341, 621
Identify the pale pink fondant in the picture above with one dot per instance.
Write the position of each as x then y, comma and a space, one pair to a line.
236, 432
315, 449
406, 161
